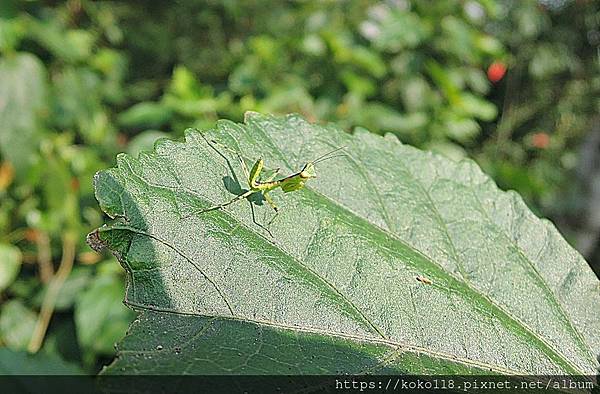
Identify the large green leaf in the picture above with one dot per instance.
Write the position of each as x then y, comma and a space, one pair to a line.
336, 290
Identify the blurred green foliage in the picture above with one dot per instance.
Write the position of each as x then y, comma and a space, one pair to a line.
81, 81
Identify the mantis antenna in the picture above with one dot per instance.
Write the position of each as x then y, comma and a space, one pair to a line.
327, 156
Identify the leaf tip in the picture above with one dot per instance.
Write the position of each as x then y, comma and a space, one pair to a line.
94, 241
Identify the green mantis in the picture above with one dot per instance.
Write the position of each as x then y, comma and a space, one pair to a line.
287, 184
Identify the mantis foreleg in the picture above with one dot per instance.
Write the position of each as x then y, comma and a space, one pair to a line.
271, 203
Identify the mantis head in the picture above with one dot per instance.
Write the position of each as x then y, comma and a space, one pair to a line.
308, 171
297, 181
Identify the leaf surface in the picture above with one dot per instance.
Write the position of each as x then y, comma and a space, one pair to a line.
343, 285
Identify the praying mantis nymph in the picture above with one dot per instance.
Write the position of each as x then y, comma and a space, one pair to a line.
290, 183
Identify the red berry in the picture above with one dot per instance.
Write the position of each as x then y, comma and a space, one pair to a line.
496, 71
540, 140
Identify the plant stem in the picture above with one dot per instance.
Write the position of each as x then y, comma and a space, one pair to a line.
47, 309
44, 257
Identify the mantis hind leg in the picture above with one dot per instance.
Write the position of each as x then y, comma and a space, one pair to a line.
221, 206
214, 144
256, 221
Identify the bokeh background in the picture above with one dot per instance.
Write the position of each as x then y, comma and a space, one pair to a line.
515, 85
